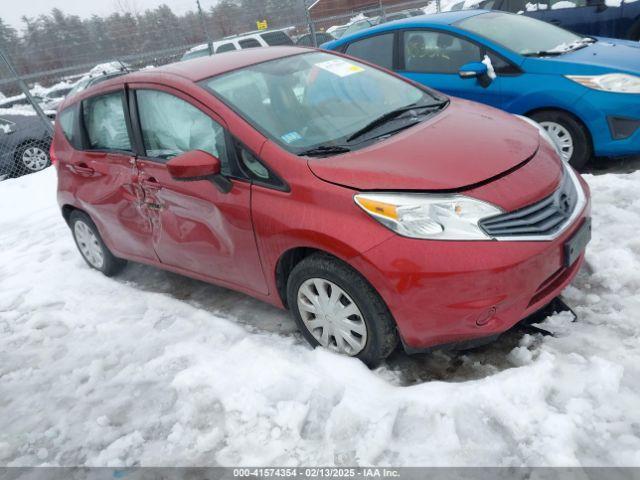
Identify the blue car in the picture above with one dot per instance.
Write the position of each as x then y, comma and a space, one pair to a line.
585, 91
618, 19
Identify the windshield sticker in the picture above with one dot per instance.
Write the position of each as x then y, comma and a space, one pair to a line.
340, 67
291, 137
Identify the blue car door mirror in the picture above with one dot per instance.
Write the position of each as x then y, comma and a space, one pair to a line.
473, 70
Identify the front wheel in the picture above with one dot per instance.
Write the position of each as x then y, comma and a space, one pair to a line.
336, 308
92, 248
570, 136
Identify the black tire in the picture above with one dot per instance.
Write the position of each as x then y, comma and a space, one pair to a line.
382, 336
110, 264
20, 166
583, 150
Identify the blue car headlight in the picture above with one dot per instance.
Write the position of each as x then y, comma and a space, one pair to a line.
610, 82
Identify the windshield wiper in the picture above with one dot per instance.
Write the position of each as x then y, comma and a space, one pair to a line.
544, 53
324, 150
387, 117
562, 49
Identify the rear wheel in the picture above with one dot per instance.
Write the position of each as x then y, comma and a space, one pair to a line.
32, 157
569, 134
91, 246
336, 308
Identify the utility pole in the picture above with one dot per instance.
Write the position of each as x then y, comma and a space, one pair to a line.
23, 86
383, 14
203, 23
312, 27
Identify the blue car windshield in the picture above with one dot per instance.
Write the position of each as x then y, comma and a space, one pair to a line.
312, 99
523, 35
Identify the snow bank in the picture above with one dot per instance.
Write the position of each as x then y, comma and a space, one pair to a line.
153, 369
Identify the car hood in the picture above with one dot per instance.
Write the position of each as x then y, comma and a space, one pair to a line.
604, 56
464, 145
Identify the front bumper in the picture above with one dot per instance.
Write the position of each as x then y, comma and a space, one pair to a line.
443, 292
600, 111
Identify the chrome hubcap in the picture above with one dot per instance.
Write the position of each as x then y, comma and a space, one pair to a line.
35, 158
332, 317
89, 245
562, 138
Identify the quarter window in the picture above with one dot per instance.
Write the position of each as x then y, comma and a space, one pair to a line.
437, 52
105, 124
377, 50
67, 122
170, 126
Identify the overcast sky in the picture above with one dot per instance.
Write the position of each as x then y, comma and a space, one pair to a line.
12, 10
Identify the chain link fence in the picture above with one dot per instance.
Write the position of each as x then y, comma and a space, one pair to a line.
36, 75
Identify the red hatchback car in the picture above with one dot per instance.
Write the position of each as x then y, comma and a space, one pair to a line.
375, 209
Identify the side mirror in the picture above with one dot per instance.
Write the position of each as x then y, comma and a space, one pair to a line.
473, 70
198, 165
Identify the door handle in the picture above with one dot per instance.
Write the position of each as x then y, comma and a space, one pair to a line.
555, 22
151, 183
82, 169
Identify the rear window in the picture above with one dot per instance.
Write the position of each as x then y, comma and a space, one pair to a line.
274, 39
249, 43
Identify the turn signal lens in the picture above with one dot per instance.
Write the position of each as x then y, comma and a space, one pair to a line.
378, 208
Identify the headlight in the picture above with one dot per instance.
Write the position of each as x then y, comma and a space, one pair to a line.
543, 133
611, 82
429, 216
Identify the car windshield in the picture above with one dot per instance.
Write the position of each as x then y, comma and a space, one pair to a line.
316, 99
523, 35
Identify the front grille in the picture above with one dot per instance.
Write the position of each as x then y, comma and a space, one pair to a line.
541, 219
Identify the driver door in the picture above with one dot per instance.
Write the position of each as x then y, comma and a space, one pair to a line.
434, 58
197, 228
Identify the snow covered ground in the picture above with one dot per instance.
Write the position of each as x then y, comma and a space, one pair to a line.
154, 369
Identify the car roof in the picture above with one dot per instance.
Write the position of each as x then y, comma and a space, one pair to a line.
436, 19
204, 67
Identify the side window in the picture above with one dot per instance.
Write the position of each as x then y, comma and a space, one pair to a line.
256, 170
437, 52
562, 4
501, 66
276, 38
249, 43
518, 6
67, 120
377, 50
170, 126
105, 124
225, 47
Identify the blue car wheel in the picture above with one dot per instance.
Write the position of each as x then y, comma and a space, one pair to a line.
570, 135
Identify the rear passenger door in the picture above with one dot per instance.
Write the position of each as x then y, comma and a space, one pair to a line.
106, 177
196, 228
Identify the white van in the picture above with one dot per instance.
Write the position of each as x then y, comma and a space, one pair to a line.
271, 38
